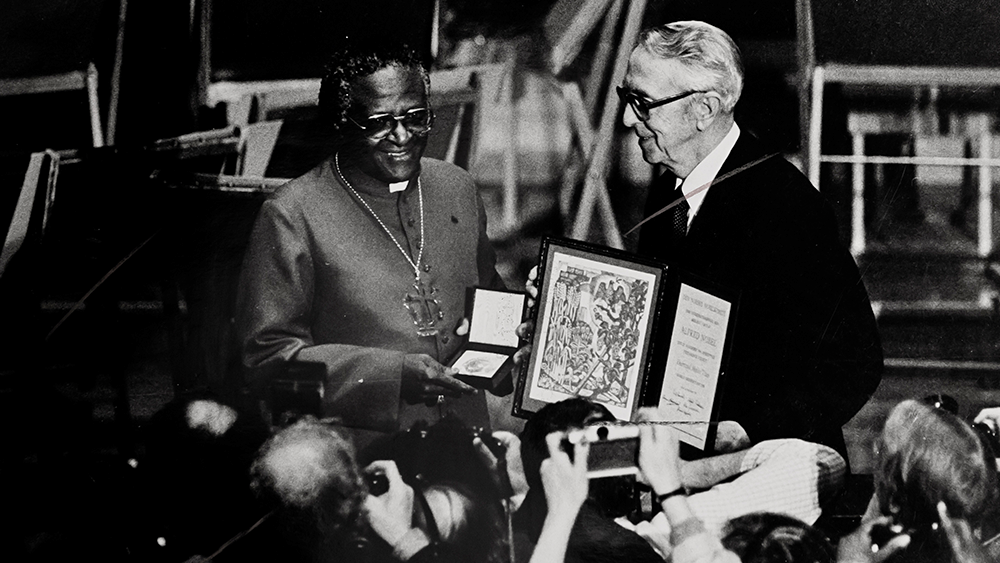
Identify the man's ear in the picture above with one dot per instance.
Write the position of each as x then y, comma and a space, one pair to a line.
706, 108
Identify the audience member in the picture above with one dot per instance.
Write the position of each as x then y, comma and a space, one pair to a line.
764, 537
787, 476
331, 510
929, 463
445, 459
660, 466
308, 470
565, 483
595, 536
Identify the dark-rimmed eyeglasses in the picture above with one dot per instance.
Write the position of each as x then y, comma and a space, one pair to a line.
641, 106
417, 121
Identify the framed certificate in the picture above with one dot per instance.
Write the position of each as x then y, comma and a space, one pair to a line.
595, 325
697, 335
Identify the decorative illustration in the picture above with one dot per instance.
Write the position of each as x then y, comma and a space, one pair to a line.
592, 332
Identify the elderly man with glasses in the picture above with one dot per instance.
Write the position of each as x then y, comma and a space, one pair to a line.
807, 354
362, 264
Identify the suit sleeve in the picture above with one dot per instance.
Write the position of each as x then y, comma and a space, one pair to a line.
275, 305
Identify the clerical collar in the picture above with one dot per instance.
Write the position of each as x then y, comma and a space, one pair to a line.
372, 187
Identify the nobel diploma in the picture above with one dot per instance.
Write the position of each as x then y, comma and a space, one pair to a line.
694, 363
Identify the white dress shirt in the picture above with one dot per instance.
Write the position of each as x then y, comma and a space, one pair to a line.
786, 476
705, 172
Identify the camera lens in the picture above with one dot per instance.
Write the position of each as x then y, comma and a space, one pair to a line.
378, 484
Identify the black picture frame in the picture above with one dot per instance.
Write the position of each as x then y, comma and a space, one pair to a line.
682, 283
573, 338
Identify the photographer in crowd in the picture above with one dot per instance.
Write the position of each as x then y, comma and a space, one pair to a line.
565, 537
935, 487
783, 476
758, 537
329, 509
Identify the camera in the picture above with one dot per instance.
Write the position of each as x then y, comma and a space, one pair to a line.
495, 446
989, 436
881, 534
614, 449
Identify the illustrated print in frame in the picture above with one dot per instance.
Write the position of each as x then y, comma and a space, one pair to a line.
595, 323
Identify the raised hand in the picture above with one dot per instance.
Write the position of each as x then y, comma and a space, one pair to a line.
390, 515
857, 547
964, 546
659, 454
565, 482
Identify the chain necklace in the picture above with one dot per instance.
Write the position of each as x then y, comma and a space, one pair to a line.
423, 308
420, 198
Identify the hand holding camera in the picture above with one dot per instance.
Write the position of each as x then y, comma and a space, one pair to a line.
659, 454
501, 452
565, 481
871, 543
964, 545
390, 514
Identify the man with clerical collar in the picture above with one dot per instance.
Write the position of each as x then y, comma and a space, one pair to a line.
807, 354
362, 264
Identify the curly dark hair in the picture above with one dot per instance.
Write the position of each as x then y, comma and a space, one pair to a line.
347, 65
764, 537
564, 415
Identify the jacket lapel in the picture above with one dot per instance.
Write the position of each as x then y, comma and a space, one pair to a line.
746, 151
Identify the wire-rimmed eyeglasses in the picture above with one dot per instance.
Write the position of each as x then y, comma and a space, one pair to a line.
641, 106
417, 121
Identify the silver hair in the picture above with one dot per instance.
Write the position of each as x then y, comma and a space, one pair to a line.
710, 57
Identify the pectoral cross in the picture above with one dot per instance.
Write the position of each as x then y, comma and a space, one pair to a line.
424, 309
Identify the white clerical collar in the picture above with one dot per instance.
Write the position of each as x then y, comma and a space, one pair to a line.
706, 171
398, 186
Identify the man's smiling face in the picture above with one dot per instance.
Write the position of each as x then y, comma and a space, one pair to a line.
392, 90
665, 136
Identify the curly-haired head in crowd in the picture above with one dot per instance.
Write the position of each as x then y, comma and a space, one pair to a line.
766, 537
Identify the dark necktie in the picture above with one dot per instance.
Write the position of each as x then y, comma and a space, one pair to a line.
679, 212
